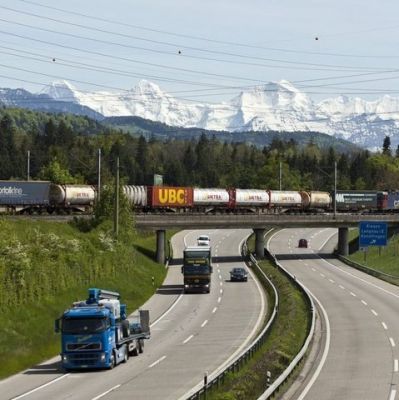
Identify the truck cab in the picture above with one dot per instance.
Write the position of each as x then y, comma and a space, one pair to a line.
95, 333
197, 269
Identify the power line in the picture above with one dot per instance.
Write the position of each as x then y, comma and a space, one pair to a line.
209, 40
325, 67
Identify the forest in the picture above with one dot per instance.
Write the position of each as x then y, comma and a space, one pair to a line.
64, 149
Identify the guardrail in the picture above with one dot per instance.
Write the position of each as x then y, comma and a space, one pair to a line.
276, 385
378, 274
248, 353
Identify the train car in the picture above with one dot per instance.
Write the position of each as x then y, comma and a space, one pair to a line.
219, 198
392, 202
136, 195
70, 198
24, 196
357, 200
319, 200
285, 199
169, 197
249, 197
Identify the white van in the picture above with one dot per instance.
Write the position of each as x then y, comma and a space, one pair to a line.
203, 240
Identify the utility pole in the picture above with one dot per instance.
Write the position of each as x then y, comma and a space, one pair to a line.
28, 167
281, 176
116, 208
335, 189
99, 176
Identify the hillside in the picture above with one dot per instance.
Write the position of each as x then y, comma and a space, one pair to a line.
140, 126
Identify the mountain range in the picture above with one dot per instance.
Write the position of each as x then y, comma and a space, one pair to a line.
275, 106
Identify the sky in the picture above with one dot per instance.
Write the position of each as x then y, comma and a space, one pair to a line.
202, 51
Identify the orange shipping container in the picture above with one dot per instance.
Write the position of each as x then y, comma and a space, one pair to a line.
166, 196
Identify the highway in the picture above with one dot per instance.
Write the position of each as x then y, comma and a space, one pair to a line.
360, 353
191, 334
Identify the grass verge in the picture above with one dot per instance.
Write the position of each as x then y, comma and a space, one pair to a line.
383, 259
45, 266
284, 342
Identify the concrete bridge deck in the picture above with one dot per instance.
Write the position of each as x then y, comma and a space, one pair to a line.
259, 223
256, 221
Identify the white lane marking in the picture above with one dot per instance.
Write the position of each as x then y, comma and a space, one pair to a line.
168, 311
396, 365
219, 270
313, 269
214, 310
220, 277
219, 299
384, 325
221, 283
322, 275
331, 280
188, 339
221, 291
204, 323
105, 393
392, 342
361, 279
40, 387
353, 294
157, 362
342, 287
325, 352
374, 312
393, 394
364, 302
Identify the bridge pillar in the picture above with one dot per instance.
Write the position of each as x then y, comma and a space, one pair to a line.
259, 243
343, 244
160, 246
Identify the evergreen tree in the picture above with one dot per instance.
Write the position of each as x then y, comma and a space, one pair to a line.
386, 146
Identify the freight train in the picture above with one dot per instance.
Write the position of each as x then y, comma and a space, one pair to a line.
44, 196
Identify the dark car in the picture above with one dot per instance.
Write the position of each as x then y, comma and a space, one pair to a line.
303, 243
238, 274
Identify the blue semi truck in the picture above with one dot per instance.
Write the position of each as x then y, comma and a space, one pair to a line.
95, 333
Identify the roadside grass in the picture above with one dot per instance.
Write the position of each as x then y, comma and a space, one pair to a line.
383, 259
284, 342
44, 266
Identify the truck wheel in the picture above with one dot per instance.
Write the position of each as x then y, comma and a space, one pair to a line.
135, 352
141, 346
112, 361
126, 356
125, 328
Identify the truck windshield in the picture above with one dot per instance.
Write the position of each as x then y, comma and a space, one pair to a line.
196, 254
84, 325
196, 270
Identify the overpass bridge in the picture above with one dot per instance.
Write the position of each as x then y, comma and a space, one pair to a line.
258, 222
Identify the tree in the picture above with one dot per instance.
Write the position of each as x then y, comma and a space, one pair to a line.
55, 173
386, 146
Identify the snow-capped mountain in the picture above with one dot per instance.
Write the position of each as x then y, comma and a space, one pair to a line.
277, 106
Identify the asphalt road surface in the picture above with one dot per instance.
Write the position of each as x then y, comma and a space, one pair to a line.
191, 334
361, 353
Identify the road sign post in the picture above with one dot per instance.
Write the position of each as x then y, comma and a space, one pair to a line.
372, 233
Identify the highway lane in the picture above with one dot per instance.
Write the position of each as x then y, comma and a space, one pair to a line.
361, 358
198, 333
